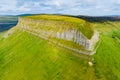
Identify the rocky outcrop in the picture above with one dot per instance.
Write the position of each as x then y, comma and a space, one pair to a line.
68, 34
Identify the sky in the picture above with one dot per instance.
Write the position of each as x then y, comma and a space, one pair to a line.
71, 7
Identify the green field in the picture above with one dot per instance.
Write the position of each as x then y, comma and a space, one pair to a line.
26, 57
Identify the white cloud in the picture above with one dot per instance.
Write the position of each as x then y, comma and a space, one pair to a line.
88, 7
23, 9
8, 5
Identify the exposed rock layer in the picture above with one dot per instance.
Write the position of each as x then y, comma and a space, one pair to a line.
48, 29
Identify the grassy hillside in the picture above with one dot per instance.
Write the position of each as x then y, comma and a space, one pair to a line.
26, 57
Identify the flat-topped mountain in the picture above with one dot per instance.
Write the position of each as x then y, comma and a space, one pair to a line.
54, 47
62, 27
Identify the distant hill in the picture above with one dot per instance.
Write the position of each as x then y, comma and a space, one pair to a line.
25, 14
7, 22
99, 18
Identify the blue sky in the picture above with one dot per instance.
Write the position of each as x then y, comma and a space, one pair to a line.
73, 7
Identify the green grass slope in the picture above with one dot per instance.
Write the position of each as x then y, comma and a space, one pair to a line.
107, 59
26, 57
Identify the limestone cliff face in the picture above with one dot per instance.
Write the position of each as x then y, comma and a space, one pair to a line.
77, 37
52, 29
